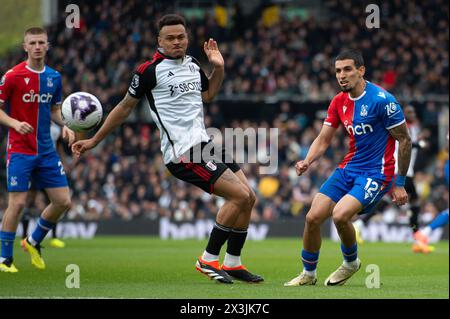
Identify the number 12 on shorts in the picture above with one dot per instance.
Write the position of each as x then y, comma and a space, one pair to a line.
61, 168
371, 186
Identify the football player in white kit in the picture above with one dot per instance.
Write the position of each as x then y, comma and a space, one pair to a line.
176, 87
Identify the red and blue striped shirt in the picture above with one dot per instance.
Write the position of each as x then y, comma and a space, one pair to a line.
367, 120
29, 95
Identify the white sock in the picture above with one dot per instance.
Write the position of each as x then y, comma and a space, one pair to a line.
2, 259
311, 273
209, 257
232, 261
351, 264
426, 231
31, 241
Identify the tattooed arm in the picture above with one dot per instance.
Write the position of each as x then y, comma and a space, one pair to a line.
400, 133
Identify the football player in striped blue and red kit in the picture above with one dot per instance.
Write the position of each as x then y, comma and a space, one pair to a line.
30, 94
373, 120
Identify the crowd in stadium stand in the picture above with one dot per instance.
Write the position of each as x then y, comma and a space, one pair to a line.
125, 177
408, 54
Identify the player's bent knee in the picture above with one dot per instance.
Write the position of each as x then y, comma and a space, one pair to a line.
17, 207
64, 204
252, 199
341, 217
67, 204
244, 198
313, 219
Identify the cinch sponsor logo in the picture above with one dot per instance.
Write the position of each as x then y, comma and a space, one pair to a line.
359, 129
34, 97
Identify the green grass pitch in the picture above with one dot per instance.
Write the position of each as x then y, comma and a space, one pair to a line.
146, 267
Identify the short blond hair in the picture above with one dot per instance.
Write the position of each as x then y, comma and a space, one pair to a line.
35, 30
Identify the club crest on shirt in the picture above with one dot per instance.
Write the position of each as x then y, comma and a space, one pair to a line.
363, 110
49, 82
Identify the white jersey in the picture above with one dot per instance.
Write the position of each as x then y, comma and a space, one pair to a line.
173, 89
414, 131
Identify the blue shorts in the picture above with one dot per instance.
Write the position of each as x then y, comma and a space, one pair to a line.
34, 171
367, 188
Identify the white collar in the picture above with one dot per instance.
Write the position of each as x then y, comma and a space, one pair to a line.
357, 98
35, 71
362, 94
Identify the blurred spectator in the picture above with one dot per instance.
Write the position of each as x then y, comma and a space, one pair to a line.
125, 178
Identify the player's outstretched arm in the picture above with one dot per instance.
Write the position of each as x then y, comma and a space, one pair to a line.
20, 127
318, 147
215, 79
113, 120
400, 133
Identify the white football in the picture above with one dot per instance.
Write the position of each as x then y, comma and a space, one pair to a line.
81, 111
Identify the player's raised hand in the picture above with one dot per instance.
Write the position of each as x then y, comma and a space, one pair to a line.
213, 53
79, 147
301, 167
23, 128
68, 135
399, 195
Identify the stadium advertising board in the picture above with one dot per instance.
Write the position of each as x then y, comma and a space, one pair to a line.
199, 229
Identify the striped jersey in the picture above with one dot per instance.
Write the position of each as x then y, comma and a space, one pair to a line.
367, 120
29, 95
173, 89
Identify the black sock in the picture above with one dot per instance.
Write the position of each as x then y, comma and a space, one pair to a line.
25, 222
236, 241
54, 231
414, 219
218, 237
